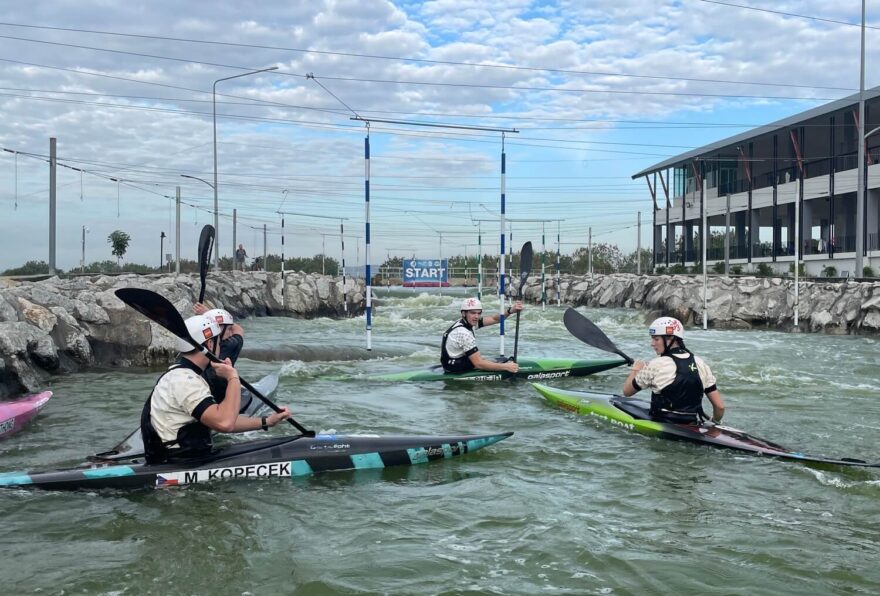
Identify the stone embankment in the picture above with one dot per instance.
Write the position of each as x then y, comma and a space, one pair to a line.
733, 302
60, 325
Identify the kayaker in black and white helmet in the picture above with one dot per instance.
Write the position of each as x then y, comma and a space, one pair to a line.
677, 379
459, 352
180, 413
231, 343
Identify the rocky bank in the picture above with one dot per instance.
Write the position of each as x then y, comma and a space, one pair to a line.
62, 325
733, 302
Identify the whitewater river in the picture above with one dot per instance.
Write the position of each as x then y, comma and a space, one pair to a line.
565, 506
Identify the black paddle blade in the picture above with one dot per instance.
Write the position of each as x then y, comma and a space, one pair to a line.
156, 308
525, 263
585, 330
206, 243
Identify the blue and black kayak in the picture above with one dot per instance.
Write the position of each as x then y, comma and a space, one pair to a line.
633, 414
534, 369
282, 457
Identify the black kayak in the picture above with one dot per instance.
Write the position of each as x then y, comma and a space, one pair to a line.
634, 414
288, 456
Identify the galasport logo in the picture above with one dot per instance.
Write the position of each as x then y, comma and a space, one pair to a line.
550, 375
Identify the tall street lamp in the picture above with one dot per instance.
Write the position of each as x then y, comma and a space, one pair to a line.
216, 206
161, 250
82, 263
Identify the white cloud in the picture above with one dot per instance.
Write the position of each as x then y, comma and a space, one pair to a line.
320, 153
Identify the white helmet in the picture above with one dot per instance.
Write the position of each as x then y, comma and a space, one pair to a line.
667, 326
471, 304
220, 315
201, 329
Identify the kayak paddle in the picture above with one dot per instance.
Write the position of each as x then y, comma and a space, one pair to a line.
585, 330
525, 267
206, 242
158, 309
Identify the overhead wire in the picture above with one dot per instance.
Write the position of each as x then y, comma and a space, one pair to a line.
422, 60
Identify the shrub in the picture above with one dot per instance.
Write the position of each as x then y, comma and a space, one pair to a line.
677, 269
661, 270
801, 271
829, 271
764, 270
30, 268
867, 271
718, 267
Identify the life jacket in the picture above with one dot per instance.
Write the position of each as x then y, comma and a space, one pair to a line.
193, 439
682, 400
462, 363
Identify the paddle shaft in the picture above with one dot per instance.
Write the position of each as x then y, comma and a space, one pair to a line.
525, 266
213, 358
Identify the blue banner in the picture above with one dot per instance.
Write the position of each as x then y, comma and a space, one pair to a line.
425, 273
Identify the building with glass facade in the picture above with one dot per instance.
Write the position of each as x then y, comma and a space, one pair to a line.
748, 185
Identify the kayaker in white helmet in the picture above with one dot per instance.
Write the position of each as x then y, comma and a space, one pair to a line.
231, 343
459, 352
180, 413
677, 379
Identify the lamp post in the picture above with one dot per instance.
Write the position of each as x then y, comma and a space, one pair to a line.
82, 263
216, 206
161, 249
216, 261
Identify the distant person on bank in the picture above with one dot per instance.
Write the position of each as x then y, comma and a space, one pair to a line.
459, 352
240, 256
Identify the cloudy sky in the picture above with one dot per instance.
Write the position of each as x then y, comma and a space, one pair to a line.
595, 91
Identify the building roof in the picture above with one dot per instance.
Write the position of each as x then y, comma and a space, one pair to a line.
745, 136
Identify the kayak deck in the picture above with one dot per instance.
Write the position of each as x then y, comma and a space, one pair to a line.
530, 369
288, 456
633, 414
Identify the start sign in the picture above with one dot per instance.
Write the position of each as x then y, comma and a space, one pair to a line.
425, 273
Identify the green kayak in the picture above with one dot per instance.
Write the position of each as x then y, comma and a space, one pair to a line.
634, 414
536, 370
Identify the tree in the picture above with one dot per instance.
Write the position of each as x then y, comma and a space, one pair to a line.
119, 240
29, 268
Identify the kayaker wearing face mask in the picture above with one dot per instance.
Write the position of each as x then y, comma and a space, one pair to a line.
459, 352
677, 379
180, 413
